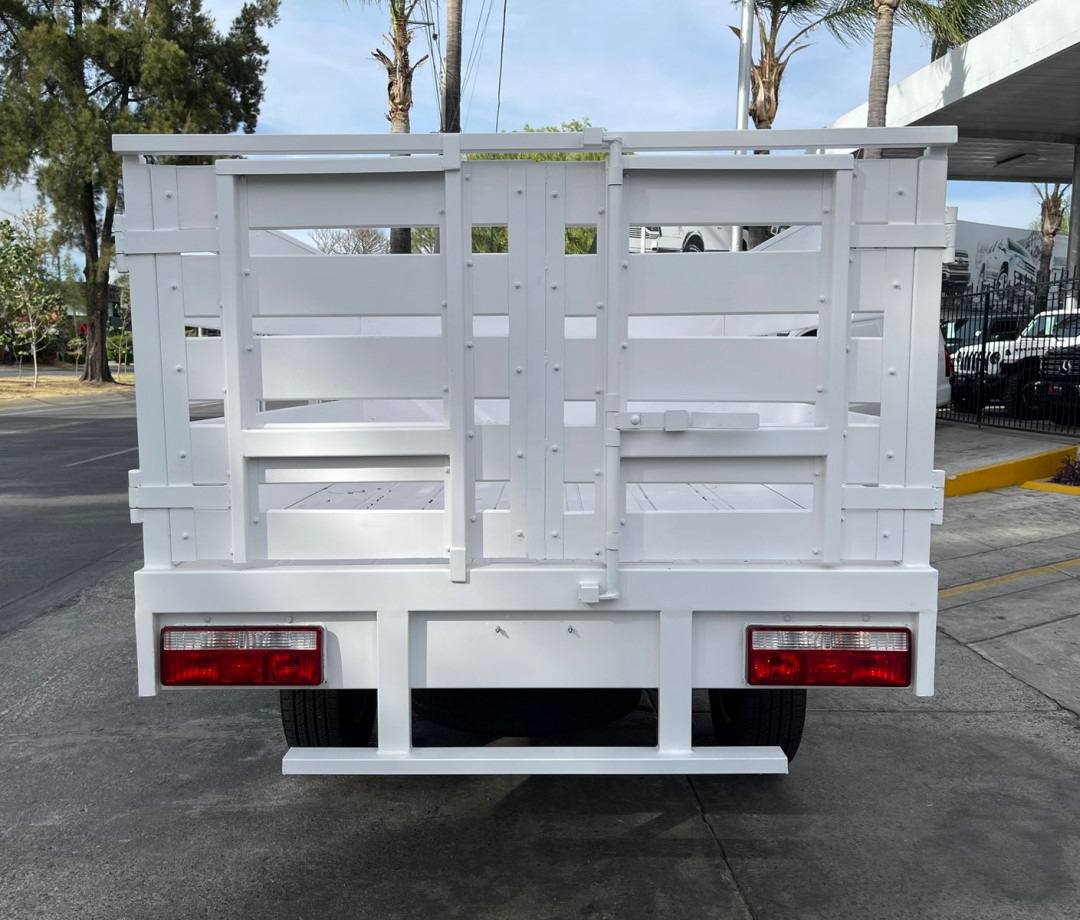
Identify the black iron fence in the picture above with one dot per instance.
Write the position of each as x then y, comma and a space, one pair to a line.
1012, 351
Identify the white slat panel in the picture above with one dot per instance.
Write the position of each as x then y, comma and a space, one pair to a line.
582, 285
487, 191
694, 198
212, 535
583, 453
582, 375
738, 369
355, 534
491, 367
864, 371
721, 282
196, 192
693, 535
209, 461
764, 442
201, 285
490, 284
721, 470
326, 441
333, 285
871, 192
861, 454
584, 191
352, 367
205, 367
300, 202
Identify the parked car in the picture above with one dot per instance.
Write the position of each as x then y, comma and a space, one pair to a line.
1056, 392
982, 375
973, 330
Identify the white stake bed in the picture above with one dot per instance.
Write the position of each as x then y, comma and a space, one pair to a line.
532, 468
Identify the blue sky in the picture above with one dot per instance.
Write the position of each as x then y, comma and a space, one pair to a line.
632, 64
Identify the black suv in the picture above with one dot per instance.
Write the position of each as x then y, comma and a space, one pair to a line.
1056, 392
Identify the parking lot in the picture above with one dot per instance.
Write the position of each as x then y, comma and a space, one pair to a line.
959, 806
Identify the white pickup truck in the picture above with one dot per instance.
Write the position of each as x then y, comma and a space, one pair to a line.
509, 491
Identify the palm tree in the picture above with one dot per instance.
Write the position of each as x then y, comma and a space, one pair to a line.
1053, 214
452, 88
964, 19
399, 73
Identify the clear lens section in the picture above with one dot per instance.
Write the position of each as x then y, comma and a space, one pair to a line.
195, 640
826, 640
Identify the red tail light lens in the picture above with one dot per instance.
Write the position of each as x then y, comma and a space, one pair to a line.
286, 656
829, 657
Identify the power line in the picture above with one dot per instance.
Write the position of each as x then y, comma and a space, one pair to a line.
502, 49
473, 70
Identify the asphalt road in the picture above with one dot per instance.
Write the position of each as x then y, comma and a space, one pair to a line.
959, 807
64, 519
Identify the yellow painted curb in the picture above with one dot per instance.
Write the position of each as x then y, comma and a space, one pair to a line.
1009, 578
1011, 473
1044, 485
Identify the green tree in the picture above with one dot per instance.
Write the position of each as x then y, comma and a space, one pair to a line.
75, 72
1053, 211
29, 295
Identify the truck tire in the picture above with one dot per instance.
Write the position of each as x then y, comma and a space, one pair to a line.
328, 718
1017, 403
523, 713
750, 718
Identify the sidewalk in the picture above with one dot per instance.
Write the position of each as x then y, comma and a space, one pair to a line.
962, 447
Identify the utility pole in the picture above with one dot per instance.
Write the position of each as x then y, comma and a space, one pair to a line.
742, 98
451, 123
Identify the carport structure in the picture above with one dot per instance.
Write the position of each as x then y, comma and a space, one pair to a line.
1014, 94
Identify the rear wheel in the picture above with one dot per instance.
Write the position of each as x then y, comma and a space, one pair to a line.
1018, 402
328, 718
694, 246
750, 718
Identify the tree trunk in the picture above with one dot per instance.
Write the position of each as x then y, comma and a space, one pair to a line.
96, 369
881, 67
452, 90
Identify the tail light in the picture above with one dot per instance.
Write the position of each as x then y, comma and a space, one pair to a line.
948, 362
286, 656
829, 657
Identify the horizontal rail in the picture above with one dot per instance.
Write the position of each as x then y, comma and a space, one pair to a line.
642, 141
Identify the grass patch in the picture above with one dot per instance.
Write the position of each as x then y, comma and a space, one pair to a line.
55, 386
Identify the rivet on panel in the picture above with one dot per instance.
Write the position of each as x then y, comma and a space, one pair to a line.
816, 551
442, 210
468, 344
554, 448
168, 194
179, 369
254, 520
174, 286
900, 192
599, 306
247, 271
519, 533
249, 348
596, 551
821, 299
820, 388
519, 190
185, 536
445, 388
885, 534
519, 369
599, 210
635, 419
570, 630
555, 534
625, 344
472, 434
626, 265
469, 263
520, 454
889, 454
892, 371
598, 390
554, 194
896, 285
555, 367
597, 472
183, 454
554, 285
446, 469
517, 284
472, 518
787, 617
210, 619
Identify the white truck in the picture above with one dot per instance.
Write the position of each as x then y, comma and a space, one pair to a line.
489, 486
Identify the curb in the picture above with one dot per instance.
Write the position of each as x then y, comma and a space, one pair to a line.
1016, 472
1044, 485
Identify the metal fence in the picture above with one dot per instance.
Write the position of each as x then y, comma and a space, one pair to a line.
1011, 350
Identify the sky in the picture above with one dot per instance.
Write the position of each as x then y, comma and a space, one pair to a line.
626, 65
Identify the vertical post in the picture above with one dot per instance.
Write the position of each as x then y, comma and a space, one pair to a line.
395, 683
742, 97
1072, 264
676, 690
241, 365
460, 502
833, 328
614, 493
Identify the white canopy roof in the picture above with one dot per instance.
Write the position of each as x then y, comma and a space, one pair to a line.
1013, 92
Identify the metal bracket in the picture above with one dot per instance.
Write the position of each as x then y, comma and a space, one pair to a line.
682, 420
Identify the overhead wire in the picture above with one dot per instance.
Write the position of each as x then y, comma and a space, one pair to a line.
502, 50
473, 71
